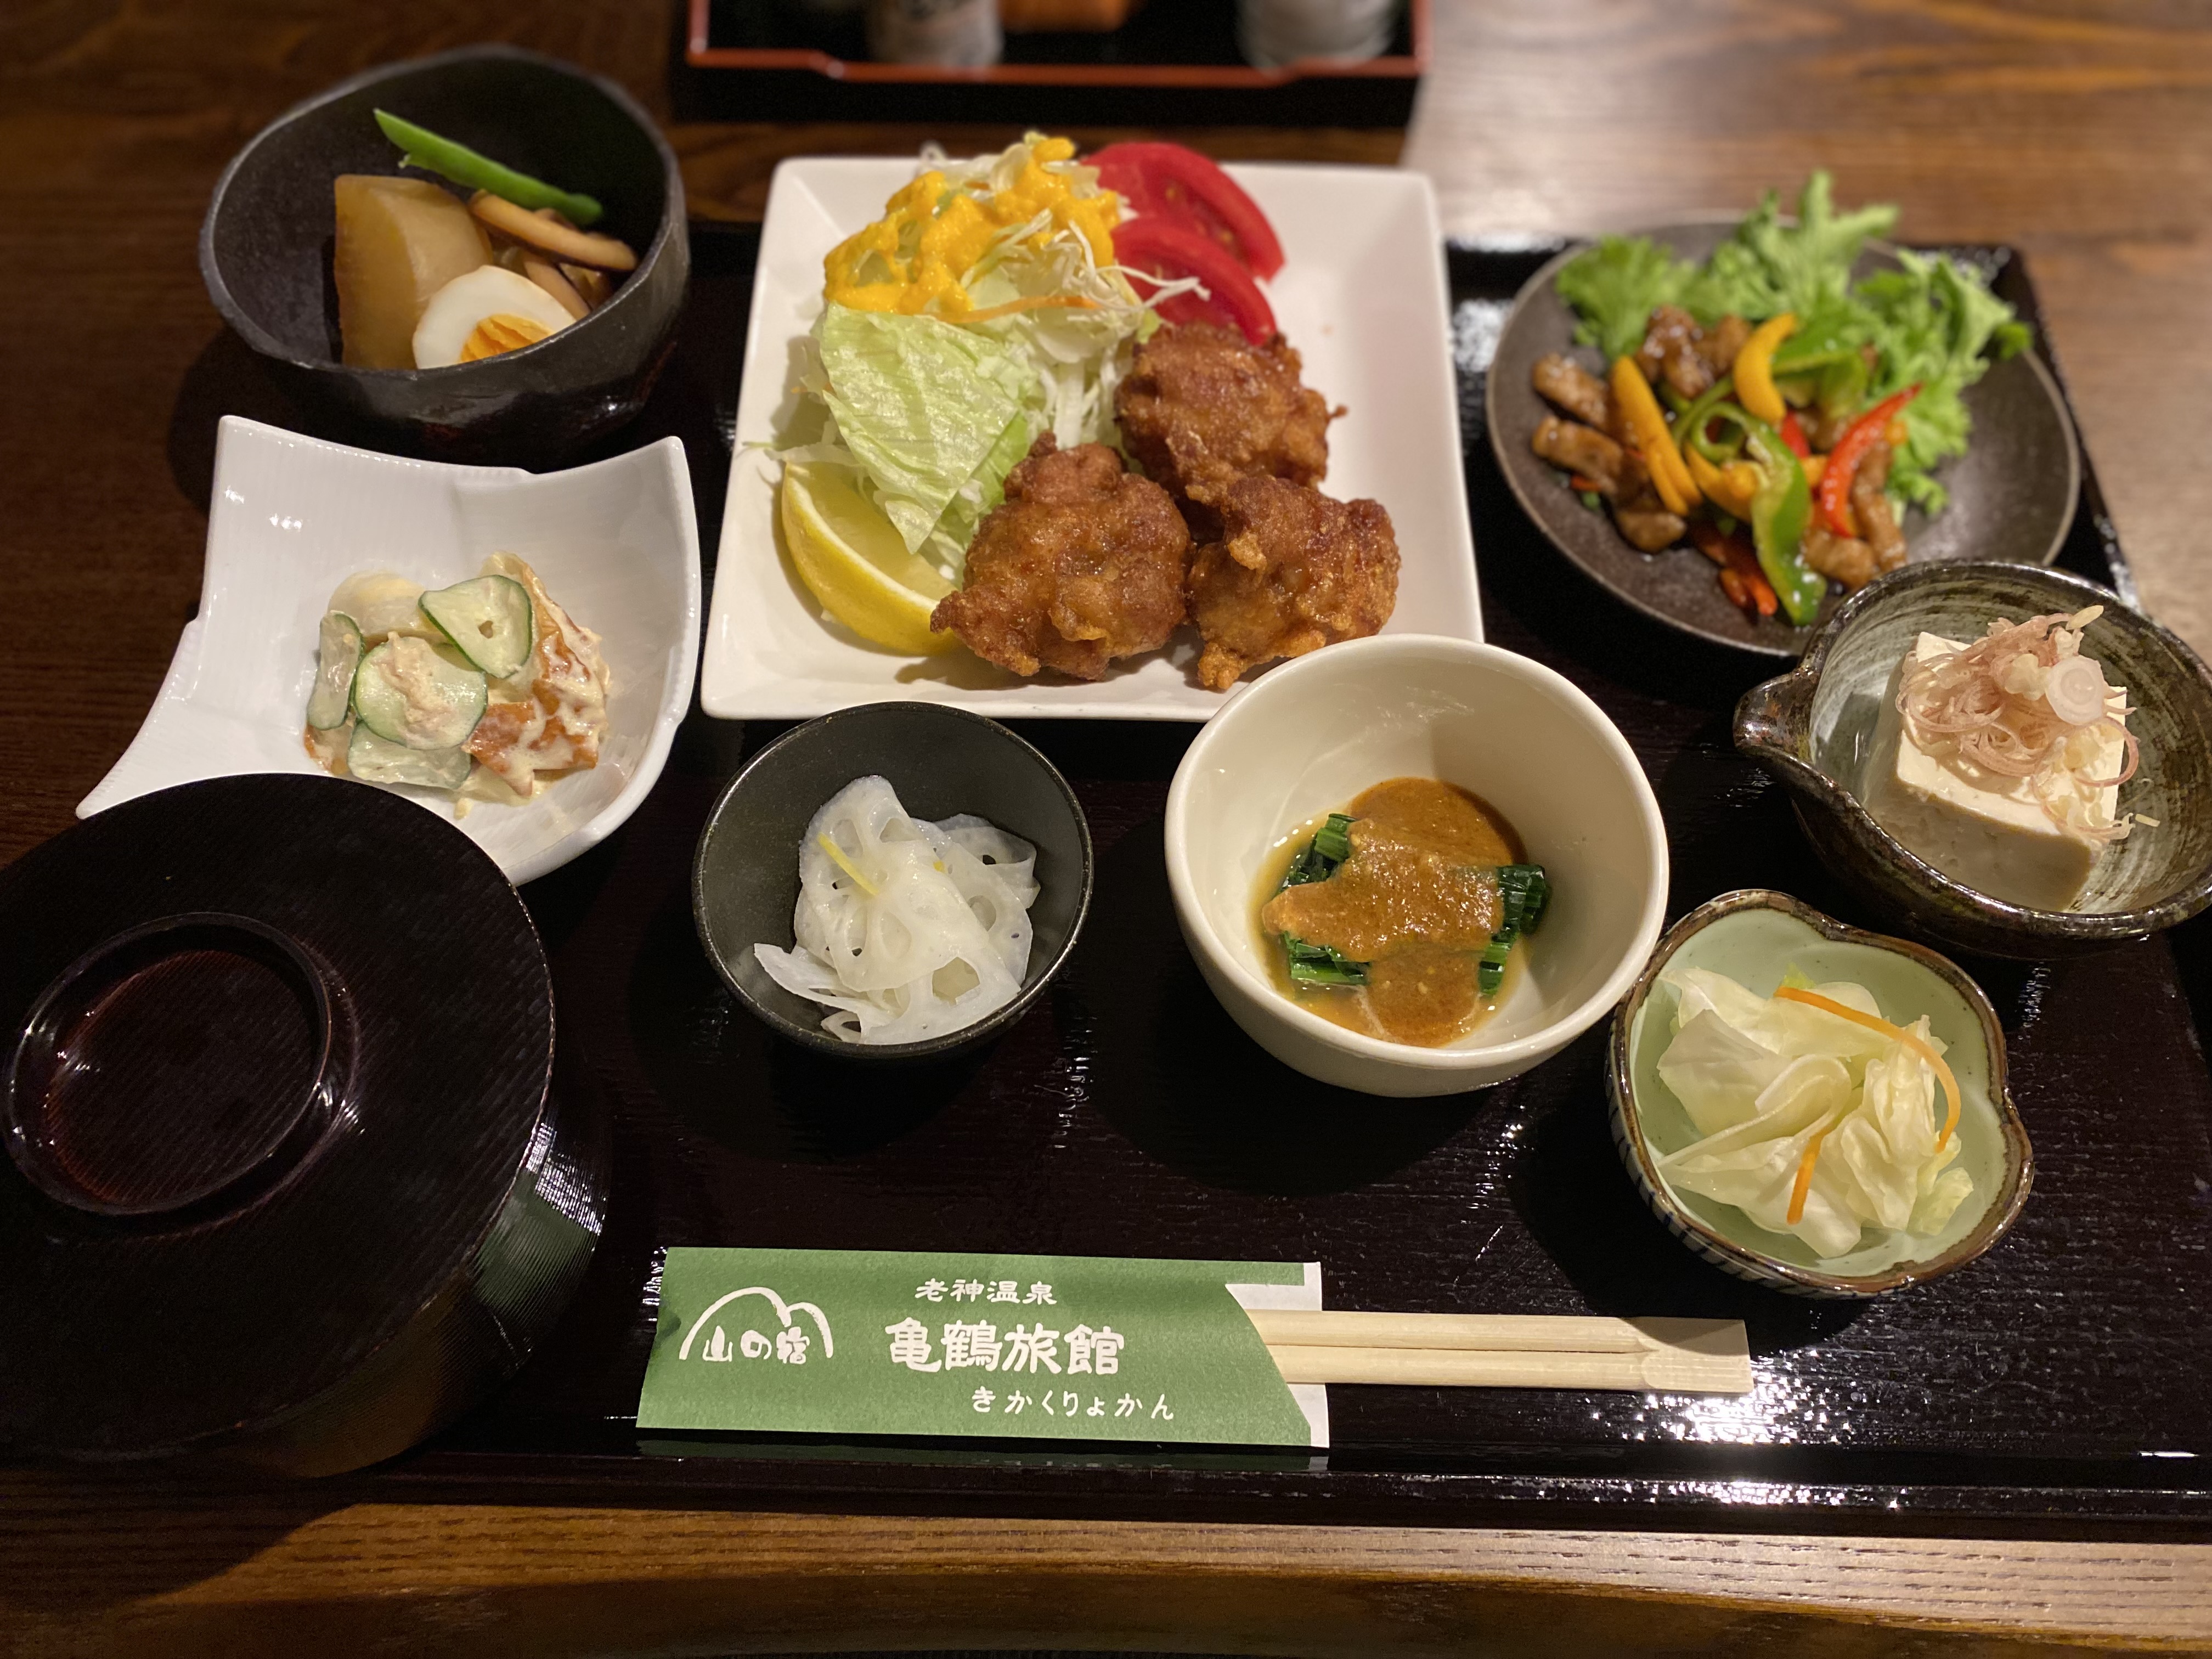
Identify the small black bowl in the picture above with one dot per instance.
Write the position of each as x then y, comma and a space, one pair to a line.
744, 881
265, 252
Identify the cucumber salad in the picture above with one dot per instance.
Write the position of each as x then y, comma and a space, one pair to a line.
486, 690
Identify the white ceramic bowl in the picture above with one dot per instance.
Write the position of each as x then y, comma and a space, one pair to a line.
1316, 732
292, 516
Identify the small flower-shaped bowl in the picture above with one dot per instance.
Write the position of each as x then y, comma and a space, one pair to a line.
1755, 936
1814, 728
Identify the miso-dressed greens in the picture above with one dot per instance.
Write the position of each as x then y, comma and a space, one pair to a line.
1399, 916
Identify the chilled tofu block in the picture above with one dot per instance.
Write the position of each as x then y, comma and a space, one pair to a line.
1986, 830
399, 240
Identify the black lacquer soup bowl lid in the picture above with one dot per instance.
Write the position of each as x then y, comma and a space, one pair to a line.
285, 1176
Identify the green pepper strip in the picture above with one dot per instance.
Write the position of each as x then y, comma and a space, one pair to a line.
426, 150
1780, 512
1843, 386
1815, 354
1691, 425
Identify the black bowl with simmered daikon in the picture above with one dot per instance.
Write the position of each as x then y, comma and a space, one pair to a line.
267, 251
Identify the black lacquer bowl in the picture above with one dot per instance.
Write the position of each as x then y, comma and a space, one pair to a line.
265, 253
2013, 493
287, 1181
744, 879
1813, 729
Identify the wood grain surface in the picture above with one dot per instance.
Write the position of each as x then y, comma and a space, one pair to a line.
244, 1574
2081, 130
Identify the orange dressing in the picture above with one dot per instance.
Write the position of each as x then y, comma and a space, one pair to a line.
1417, 900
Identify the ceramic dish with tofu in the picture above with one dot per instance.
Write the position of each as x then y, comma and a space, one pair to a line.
2013, 760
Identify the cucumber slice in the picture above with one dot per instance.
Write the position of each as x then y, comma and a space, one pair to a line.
337, 654
373, 760
487, 618
445, 702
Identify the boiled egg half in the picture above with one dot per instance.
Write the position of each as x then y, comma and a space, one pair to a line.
483, 312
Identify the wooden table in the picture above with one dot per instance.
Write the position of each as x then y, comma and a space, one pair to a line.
2080, 132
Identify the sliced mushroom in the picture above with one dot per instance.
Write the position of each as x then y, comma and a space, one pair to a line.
549, 277
548, 235
591, 284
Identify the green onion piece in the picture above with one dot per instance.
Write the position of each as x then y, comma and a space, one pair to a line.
1490, 973
1523, 891
1321, 964
1331, 840
1329, 847
426, 150
1592, 500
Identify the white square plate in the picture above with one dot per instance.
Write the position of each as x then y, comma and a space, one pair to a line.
292, 517
1361, 296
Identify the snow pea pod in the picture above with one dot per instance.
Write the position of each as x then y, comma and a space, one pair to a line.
426, 150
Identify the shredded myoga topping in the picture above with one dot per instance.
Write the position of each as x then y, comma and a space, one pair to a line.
2022, 702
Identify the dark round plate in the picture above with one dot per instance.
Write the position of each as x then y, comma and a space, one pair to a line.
284, 1176
2012, 492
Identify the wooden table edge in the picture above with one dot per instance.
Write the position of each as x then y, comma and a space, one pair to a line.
98, 1563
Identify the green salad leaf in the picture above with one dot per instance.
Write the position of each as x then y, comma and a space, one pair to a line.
1766, 267
1615, 287
926, 409
1936, 324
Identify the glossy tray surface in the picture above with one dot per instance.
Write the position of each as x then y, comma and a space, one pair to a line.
2056, 1388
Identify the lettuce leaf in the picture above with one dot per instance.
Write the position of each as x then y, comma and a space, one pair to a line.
1766, 267
921, 405
1614, 287
1936, 324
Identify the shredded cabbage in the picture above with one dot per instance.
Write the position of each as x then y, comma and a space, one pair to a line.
1762, 1078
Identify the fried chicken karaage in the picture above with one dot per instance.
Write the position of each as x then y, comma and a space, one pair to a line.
1083, 562
1292, 571
1203, 407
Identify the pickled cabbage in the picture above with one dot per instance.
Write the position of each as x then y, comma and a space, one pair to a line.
1766, 1081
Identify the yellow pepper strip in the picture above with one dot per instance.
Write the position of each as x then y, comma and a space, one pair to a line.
1649, 428
1754, 369
1730, 488
1815, 466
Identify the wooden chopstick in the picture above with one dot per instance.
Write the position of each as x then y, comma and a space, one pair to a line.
1508, 1351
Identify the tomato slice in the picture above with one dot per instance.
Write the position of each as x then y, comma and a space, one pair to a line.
1172, 251
1166, 181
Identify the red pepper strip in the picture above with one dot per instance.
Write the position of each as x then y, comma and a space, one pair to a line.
1741, 579
1843, 461
1584, 486
1793, 435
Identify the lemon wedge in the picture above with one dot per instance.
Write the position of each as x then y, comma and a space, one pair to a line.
854, 562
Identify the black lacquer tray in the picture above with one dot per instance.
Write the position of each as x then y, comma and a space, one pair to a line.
2057, 1387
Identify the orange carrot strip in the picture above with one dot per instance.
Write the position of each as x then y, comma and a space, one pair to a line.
1896, 1033
1803, 1185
